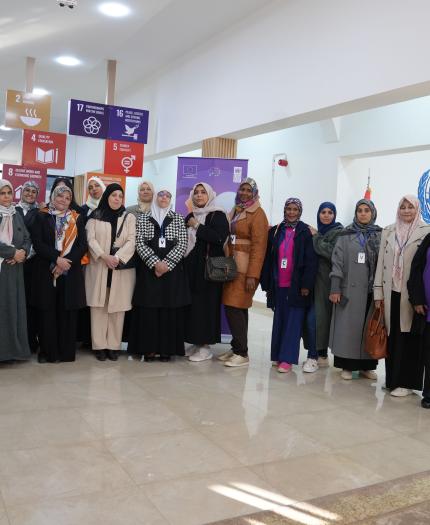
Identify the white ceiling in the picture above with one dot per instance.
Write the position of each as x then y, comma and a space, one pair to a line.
157, 33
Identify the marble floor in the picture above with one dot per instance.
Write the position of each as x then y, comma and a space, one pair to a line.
191, 443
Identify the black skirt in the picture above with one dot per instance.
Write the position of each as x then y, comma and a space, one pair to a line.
404, 365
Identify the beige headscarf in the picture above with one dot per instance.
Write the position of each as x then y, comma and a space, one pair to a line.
6, 224
145, 206
404, 230
201, 213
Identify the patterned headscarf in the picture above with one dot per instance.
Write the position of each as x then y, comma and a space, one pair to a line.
324, 228
6, 224
298, 203
240, 206
24, 205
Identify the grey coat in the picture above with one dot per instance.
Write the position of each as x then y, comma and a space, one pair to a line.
323, 246
13, 317
351, 279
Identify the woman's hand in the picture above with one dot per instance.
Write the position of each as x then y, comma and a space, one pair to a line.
160, 268
56, 272
19, 256
421, 309
250, 284
10, 261
64, 264
313, 230
304, 292
111, 261
192, 222
378, 304
335, 298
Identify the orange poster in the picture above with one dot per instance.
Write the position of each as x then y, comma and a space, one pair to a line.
107, 179
27, 110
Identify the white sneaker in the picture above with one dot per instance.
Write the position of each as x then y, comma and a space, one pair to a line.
201, 354
401, 392
310, 366
346, 374
225, 356
191, 350
323, 362
369, 374
237, 360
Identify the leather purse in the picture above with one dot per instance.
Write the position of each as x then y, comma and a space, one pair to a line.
220, 269
376, 338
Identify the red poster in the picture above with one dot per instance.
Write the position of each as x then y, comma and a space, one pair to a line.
17, 175
43, 148
123, 158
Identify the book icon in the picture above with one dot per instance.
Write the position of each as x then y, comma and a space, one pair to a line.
47, 157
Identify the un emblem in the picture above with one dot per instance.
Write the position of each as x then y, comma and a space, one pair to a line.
424, 195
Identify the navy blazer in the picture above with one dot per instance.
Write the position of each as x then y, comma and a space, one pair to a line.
305, 266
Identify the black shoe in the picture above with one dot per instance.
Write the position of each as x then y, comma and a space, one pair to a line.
149, 358
112, 355
41, 358
425, 402
100, 355
164, 358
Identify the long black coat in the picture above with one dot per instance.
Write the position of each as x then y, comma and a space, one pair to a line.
416, 288
304, 271
43, 291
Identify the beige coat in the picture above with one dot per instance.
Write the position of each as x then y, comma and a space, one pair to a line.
384, 273
96, 273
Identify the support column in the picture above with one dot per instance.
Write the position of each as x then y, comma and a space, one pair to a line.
219, 147
110, 82
29, 74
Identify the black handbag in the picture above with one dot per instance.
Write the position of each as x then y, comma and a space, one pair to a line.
132, 262
220, 269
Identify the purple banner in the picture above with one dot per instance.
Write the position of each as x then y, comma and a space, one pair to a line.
225, 176
128, 124
88, 119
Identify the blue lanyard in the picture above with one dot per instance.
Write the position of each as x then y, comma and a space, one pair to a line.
402, 247
361, 238
162, 231
288, 240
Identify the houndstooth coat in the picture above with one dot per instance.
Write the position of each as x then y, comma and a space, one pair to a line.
172, 289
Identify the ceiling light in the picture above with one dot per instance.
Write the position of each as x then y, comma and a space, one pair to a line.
40, 91
1, 140
68, 61
4, 128
114, 9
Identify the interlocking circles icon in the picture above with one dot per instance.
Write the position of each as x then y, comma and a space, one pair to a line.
424, 195
92, 126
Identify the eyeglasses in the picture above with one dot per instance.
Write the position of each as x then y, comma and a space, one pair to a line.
164, 194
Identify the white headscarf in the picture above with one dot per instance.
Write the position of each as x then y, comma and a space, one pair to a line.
145, 206
159, 214
91, 202
6, 224
201, 213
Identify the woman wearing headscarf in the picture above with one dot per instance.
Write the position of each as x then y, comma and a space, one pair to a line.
162, 289
58, 290
288, 279
64, 181
111, 233
28, 208
145, 196
14, 246
324, 239
353, 271
208, 229
399, 244
247, 243
95, 189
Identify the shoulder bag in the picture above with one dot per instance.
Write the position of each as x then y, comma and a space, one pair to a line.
132, 262
376, 339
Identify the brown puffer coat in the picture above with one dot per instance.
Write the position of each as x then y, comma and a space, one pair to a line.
249, 250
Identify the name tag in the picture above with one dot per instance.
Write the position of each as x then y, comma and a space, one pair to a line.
284, 263
162, 242
233, 239
361, 258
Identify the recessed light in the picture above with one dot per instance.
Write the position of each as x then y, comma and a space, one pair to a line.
40, 91
68, 61
114, 9
4, 128
1, 140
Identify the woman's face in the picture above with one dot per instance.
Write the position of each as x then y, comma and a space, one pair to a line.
326, 216
95, 190
292, 213
6, 196
200, 196
62, 201
407, 212
245, 192
163, 199
29, 195
364, 214
145, 193
115, 200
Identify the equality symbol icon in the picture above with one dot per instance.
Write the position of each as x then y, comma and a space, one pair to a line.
91, 126
127, 162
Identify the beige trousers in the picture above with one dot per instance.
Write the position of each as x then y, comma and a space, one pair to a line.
106, 328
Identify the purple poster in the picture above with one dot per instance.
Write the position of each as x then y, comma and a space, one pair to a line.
224, 175
128, 124
88, 119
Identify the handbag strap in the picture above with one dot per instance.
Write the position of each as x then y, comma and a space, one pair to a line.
207, 244
118, 233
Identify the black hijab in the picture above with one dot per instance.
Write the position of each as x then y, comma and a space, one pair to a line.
105, 213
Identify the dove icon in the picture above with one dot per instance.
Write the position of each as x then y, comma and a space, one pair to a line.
129, 131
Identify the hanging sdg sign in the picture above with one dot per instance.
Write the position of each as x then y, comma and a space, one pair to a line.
88, 119
128, 124
27, 110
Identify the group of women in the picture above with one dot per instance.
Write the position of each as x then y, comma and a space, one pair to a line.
139, 275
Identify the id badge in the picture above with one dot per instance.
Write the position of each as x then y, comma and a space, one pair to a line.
361, 258
161, 242
233, 239
284, 263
